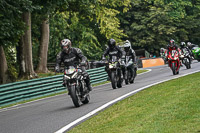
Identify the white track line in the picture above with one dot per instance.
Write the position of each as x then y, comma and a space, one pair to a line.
65, 128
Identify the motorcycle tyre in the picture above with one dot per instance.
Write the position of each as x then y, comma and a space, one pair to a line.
174, 68
75, 98
126, 78
132, 79
87, 99
119, 82
113, 80
187, 64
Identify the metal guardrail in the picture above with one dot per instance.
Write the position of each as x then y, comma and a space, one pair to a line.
29, 89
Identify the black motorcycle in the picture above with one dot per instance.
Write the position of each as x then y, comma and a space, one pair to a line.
186, 58
115, 72
129, 76
74, 81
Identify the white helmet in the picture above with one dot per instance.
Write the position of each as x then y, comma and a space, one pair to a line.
127, 45
66, 45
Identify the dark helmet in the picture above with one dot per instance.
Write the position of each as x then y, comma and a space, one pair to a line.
127, 46
111, 43
172, 43
66, 45
182, 44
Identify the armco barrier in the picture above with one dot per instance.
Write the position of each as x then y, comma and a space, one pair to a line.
29, 89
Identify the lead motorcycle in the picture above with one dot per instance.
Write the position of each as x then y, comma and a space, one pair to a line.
74, 81
174, 61
114, 70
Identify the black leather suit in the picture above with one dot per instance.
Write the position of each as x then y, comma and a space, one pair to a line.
73, 59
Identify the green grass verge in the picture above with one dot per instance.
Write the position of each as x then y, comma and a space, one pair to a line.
170, 107
51, 74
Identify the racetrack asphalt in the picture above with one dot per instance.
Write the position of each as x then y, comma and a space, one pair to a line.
51, 114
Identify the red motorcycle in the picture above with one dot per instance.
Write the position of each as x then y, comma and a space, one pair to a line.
174, 61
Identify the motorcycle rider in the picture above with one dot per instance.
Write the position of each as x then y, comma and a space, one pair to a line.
113, 50
172, 46
71, 56
131, 53
183, 46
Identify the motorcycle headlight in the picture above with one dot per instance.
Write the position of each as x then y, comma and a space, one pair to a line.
110, 66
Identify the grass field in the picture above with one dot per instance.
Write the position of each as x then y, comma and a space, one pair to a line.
170, 107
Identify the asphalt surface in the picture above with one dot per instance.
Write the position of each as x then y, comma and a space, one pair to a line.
51, 114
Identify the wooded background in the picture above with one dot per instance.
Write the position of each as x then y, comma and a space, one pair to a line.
31, 30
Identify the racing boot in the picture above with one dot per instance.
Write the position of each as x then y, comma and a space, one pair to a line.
88, 84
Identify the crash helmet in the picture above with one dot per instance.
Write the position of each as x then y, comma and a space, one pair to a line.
172, 43
111, 43
66, 45
182, 44
127, 46
189, 44
162, 50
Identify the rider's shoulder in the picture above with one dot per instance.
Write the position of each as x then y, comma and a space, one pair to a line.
77, 50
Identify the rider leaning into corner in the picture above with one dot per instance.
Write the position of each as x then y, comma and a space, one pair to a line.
112, 50
71, 56
131, 53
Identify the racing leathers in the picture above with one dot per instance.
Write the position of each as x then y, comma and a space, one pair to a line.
73, 59
111, 52
169, 49
130, 54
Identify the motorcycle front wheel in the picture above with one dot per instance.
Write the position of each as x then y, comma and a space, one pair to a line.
113, 80
74, 95
127, 77
187, 63
174, 68
119, 79
133, 77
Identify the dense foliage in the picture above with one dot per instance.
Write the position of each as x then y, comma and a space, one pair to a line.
148, 24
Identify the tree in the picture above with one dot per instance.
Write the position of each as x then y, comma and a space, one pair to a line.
42, 65
26, 45
3, 67
151, 24
13, 28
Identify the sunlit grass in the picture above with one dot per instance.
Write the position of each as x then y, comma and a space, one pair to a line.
170, 107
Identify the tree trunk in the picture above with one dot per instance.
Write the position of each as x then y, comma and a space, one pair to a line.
43, 53
26, 62
3, 67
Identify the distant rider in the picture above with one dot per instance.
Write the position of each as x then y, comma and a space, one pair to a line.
130, 54
71, 56
112, 50
184, 47
172, 46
